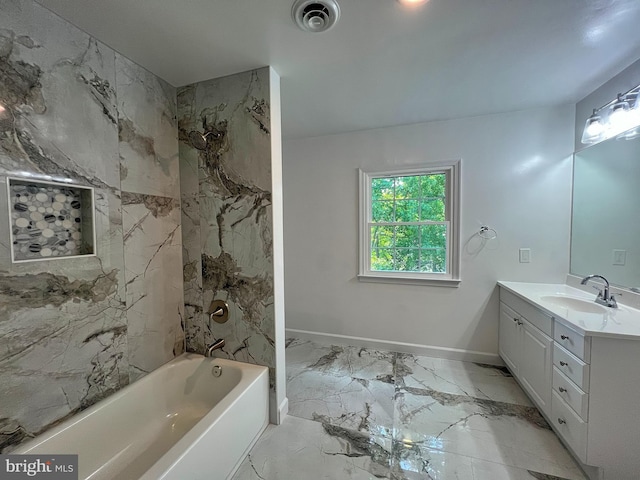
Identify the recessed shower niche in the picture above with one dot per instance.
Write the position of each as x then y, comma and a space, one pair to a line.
50, 220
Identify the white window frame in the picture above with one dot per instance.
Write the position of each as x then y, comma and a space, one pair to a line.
452, 200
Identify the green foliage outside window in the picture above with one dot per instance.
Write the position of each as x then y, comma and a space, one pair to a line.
419, 201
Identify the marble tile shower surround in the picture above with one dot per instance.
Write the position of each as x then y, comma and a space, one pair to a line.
75, 331
360, 413
153, 261
147, 131
227, 215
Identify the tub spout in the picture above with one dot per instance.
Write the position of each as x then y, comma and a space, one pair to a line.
218, 344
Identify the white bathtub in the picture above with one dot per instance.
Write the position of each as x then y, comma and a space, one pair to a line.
180, 422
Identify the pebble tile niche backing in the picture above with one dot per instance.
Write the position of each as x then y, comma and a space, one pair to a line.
50, 220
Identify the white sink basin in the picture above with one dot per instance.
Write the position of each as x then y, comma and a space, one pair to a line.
575, 304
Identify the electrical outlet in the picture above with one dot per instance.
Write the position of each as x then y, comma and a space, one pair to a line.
619, 257
525, 255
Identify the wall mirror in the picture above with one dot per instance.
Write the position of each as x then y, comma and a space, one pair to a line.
605, 225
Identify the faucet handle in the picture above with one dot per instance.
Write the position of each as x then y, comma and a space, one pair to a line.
219, 311
613, 302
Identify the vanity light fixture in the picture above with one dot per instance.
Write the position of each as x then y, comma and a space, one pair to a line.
594, 129
412, 3
615, 118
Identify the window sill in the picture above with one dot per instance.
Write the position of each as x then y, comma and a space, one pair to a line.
408, 280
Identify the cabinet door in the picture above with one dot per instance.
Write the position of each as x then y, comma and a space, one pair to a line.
535, 368
509, 341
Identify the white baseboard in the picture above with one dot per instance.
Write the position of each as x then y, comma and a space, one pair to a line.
277, 412
401, 347
283, 410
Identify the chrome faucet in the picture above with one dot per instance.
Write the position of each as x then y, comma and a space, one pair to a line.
604, 297
218, 344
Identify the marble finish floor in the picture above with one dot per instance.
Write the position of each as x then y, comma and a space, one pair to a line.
357, 413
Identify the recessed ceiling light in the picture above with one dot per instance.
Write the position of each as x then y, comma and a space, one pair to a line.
315, 16
412, 2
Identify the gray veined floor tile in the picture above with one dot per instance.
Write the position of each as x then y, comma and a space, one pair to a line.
302, 354
343, 401
414, 462
356, 362
410, 417
304, 449
504, 433
483, 470
348, 387
462, 378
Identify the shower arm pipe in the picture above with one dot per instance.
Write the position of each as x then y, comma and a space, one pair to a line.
635, 90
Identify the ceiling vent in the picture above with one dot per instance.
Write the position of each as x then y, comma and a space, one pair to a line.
315, 16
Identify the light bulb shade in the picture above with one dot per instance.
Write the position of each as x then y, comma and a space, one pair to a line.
593, 130
626, 123
630, 134
620, 117
634, 108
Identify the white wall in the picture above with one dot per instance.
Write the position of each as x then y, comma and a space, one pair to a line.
516, 177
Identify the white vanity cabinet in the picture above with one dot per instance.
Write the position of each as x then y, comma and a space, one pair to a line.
526, 347
583, 375
570, 397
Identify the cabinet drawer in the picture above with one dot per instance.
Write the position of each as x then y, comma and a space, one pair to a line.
570, 426
571, 394
535, 316
509, 312
577, 344
572, 367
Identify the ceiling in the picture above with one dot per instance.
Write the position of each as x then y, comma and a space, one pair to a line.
383, 64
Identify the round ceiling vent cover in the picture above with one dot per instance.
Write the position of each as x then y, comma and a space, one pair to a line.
315, 16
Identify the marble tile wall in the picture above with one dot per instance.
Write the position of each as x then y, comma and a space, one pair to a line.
227, 215
73, 331
154, 292
152, 235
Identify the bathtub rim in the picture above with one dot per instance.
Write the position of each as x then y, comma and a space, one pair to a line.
163, 467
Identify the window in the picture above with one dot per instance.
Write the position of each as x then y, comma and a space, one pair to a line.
409, 225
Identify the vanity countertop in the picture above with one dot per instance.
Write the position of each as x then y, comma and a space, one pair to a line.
621, 322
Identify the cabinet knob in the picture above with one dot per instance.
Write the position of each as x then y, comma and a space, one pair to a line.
519, 322
561, 421
564, 337
562, 389
563, 364
515, 320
